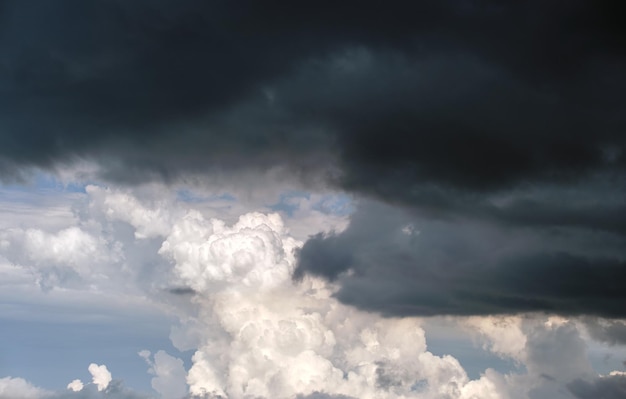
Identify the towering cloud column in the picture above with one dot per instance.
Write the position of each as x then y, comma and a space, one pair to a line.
263, 335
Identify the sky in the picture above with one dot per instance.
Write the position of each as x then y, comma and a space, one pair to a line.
312, 200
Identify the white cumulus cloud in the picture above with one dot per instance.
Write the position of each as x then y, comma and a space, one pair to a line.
255, 332
76, 386
169, 374
100, 376
18, 388
263, 335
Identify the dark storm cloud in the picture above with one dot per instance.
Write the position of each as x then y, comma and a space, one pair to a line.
499, 126
398, 262
611, 387
94, 78
612, 332
435, 91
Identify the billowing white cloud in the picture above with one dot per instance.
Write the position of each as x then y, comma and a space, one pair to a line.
100, 376
148, 221
255, 252
70, 246
18, 388
503, 334
491, 385
256, 333
264, 335
169, 374
551, 349
61, 258
76, 385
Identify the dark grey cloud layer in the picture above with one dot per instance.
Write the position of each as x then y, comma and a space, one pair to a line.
611, 387
399, 263
437, 91
612, 332
499, 126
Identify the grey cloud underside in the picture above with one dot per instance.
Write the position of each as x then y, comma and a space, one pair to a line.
612, 387
399, 262
321, 395
115, 390
182, 291
611, 332
498, 127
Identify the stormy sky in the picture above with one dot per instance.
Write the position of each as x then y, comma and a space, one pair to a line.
427, 166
